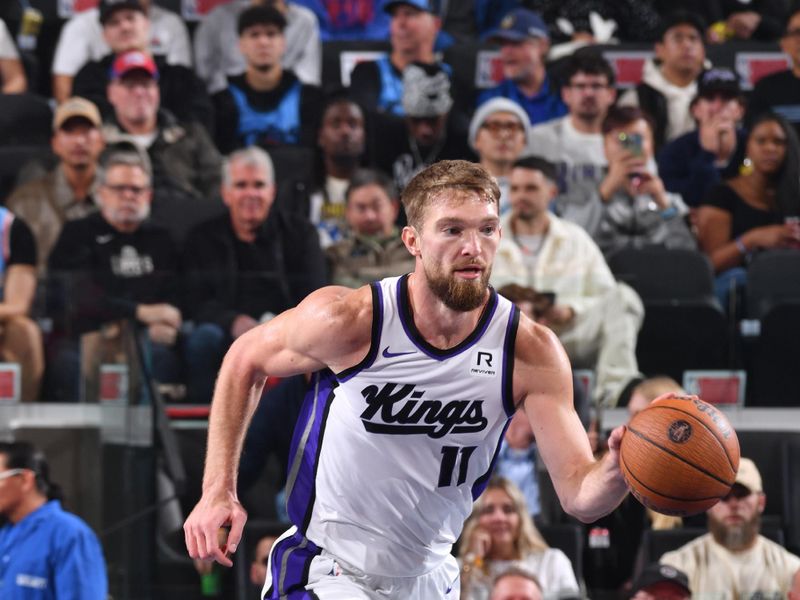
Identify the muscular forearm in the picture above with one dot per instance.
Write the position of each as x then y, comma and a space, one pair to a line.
236, 396
600, 491
13, 309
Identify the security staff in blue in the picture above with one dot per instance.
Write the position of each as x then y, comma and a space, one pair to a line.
266, 105
46, 553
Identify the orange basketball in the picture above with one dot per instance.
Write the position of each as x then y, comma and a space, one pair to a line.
679, 456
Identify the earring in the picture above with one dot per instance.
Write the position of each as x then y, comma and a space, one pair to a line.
746, 167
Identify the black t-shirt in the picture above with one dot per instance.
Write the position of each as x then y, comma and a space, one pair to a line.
743, 216
21, 244
227, 112
106, 273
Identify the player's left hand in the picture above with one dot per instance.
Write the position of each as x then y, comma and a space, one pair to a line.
202, 528
615, 441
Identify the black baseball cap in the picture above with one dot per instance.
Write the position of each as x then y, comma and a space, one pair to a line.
109, 7
658, 573
260, 15
681, 17
718, 80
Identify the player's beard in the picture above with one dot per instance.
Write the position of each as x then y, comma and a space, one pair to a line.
462, 295
735, 537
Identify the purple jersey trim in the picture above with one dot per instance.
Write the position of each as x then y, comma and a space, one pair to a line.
306, 447
413, 334
377, 327
508, 361
480, 484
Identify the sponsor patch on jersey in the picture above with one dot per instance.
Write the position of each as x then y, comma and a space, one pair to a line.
484, 363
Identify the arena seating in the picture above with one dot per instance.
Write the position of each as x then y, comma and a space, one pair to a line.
684, 326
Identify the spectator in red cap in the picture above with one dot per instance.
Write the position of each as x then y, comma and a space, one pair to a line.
183, 155
182, 92
83, 37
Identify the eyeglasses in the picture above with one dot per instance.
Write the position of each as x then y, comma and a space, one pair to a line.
589, 87
121, 189
792, 33
495, 127
11, 473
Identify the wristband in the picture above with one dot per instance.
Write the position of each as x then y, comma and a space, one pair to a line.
740, 246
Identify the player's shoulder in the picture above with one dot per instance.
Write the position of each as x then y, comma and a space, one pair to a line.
537, 345
338, 305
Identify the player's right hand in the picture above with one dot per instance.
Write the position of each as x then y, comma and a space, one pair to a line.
202, 528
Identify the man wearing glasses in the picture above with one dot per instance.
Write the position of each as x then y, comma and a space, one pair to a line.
498, 133
117, 265
733, 560
574, 142
184, 158
780, 92
45, 552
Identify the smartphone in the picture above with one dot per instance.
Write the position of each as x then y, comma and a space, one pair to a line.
632, 142
543, 302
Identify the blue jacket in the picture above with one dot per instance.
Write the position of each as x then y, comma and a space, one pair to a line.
51, 555
686, 168
542, 107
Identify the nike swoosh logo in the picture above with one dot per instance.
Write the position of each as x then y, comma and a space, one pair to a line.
387, 354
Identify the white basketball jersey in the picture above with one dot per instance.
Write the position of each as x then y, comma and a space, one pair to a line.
389, 455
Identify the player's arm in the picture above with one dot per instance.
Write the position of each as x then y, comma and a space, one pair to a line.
331, 327
587, 488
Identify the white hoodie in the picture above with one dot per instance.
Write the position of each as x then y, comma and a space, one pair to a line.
680, 120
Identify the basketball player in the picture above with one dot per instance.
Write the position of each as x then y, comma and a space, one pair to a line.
399, 437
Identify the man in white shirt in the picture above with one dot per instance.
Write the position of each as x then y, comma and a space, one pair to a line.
733, 560
82, 39
216, 43
574, 142
596, 318
498, 133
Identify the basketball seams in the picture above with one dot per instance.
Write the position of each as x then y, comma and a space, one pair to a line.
662, 494
733, 467
674, 454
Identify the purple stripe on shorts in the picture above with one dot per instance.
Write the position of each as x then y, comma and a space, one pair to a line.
291, 560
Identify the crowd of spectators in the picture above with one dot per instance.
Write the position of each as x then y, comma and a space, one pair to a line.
202, 178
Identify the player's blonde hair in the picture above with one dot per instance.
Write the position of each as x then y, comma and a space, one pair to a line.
460, 176
528, 540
